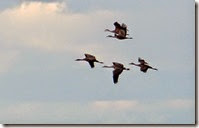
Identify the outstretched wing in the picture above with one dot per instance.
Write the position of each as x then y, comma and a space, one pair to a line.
124, 27
116, 24
91, 63
116, 74
119, 65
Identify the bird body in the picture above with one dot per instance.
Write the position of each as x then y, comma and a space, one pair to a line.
118, 69
90, 59
143, 65
120, 31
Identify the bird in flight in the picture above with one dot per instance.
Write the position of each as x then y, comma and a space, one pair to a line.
90, 59
118, 69
144, 66
120, 31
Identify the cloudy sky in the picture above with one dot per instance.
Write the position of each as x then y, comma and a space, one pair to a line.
41, 83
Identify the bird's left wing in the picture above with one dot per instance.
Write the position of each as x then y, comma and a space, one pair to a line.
116, 74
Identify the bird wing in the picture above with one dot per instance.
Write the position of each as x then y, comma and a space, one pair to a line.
116, 24
142, 61
117, 27
124, 25
116, 64
91, 63
116, 74
89, 56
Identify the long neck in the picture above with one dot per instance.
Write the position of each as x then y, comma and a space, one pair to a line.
108, 66
107, 30
135, 64
154, 68
128, 37
80, 59
99, 62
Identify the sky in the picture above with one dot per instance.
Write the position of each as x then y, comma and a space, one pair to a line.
41, 83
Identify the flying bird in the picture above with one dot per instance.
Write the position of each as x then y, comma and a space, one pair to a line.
118, 27
118, 69
90, 59
120, 31
143, 65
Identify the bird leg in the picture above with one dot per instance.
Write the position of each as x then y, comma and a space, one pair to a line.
111, 36
155, 69
99, 62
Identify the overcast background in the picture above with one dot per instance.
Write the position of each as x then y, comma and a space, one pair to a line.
41, 83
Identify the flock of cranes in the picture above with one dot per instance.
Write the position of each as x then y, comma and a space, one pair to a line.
120, 32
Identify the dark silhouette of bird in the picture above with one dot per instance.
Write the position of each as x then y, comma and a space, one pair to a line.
143, 65
90, 59
118, 69
120, 31
118, 27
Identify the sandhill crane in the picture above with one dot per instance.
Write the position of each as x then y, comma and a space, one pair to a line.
143, 65
118, 69
120, 31
118, 27
90, 59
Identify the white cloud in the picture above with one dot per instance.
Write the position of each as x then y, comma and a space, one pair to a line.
51, 26
106, 111
111, 105
180, 103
